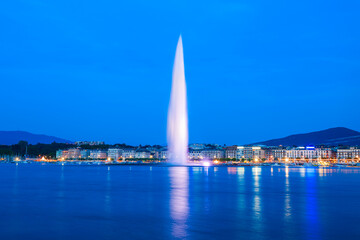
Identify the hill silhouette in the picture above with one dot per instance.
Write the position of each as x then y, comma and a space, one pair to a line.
332, 136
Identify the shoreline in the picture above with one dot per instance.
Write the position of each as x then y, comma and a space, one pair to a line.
163, 164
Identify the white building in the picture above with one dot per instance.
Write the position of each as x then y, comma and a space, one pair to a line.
98, 154
351, 153
72, 153
301, 153
128, 153
240, 153
195, 154
115, 153
325, 153
250, 152
309, 153
212, 153
279, 153
141, 153
258, 153
163, 154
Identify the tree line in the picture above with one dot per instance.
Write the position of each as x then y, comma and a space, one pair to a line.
22, 148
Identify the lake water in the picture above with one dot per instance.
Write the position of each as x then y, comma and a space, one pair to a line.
143, 202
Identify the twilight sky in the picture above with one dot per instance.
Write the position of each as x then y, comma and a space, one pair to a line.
255, 70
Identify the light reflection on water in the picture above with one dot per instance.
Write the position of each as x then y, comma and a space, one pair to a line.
311, 208
287, 207
302, 172
240, 173
179, 202
107, 204
257, 201
232, 170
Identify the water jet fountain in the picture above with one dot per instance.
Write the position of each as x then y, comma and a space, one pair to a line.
177, 122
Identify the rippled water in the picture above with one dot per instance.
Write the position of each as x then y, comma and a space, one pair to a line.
143, 202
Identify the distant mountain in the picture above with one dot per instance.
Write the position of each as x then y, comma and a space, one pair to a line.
13, 137
332, 136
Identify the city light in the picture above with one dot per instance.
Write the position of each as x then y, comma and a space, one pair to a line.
206, 164
207, 154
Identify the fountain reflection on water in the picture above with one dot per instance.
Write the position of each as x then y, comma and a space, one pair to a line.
179, 200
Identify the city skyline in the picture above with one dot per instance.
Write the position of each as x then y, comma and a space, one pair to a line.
89, 71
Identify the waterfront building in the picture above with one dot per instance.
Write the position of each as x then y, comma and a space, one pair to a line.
309, 152
142, 153
258, 153
85, 153
240, 153
269, 153
349, 153
98, 154
160, 153
301, 153
115, 153
250, 152
60, 154
154, 150
325, 153
212, 153
128, 153
195, 153
72, 153
231, 152
163, 154
279, 153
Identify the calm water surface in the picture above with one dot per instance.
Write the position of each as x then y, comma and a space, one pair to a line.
143, 202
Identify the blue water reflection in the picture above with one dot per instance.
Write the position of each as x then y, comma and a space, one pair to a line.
311, 209
142, 202
179, 200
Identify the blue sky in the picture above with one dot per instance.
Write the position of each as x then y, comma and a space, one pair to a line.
255, 70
